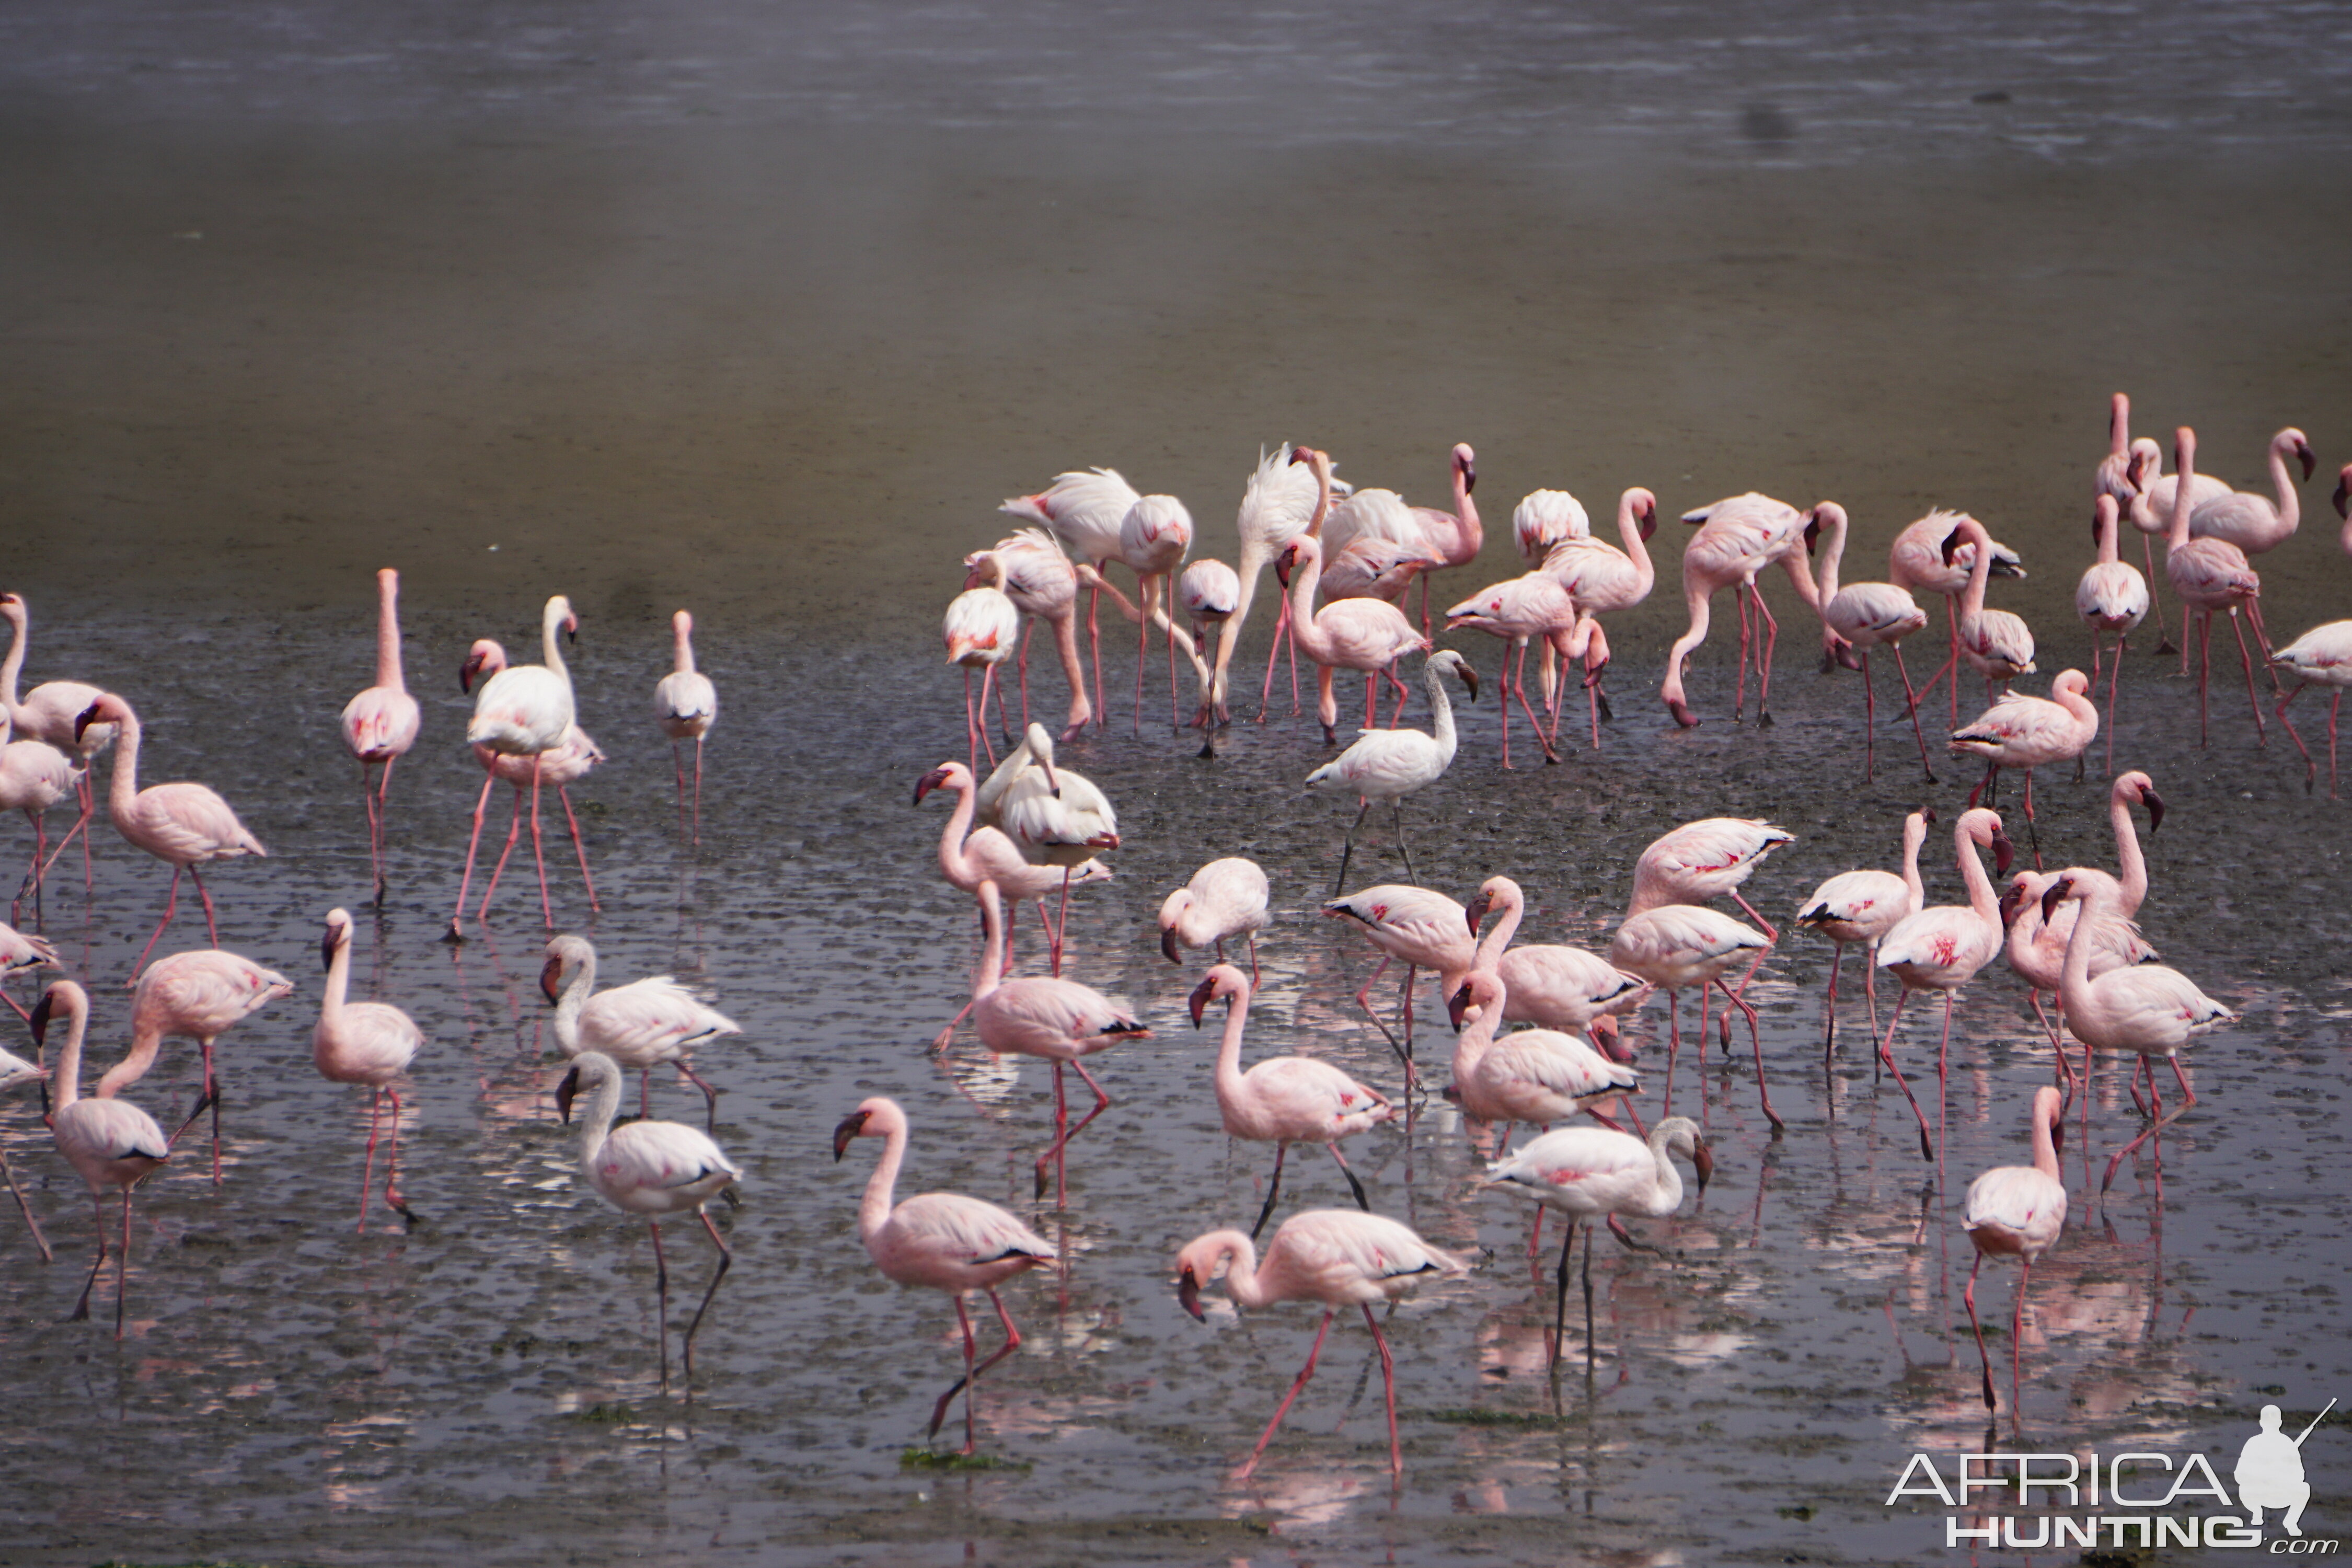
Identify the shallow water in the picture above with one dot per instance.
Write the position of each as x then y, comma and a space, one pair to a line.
769, 336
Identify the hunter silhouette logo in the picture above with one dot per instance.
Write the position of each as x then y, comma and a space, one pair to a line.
2270, 1471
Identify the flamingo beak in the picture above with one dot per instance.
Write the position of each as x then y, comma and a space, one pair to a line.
1951, 545
1188, 1296
930, 782
572, 630
2054, 897
40, 1023
466, 671
2058, 1135
1649, 519
564, 1092
2343, 498
1282, 566
1813, 532
1469, 679
1927, 814
2010, 902
1470, 476
1703, 1162
1168, 950
551, 980
851, 1126
1475, 912
1457, 1007
2155, 804
2309, 459
89, 717
327, 945
2004, 853
1199, 1000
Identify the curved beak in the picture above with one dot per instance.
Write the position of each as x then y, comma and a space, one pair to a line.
1282, 563
326, 947
2308, 458
564, 1092
572, 628
930, 782
551, 980
2003, 854
1188, 1296
466, 671
2010, 902
1457, 1007
1199, 1000
1169, 950
2155, 804
88, 716
851, 1126
1475, 912
2054, 897
1952, 543
1649, 519
1469, 679
1703, 1162
2343, 499
40, 1023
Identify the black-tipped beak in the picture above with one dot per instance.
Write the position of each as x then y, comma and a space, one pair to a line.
564, 1093
2010, 903
1927, 814
2344, 500
2309, 459
1199, 1001
1457, 1007
2055, 896
40, 1023
327, 948
465, 673
2003, 854
851, 1126
1813, 532
1168, 949
572, 630
1952, 543
1469, 679
88, 716
1703, 1162
1474, 912
551, 980
2155, 804
1188, 1296
927, 783
2058, 1135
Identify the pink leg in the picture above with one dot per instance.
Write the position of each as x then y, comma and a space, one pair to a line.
24, 1208
1028, 630
564, 794
2261, 737
2187, 1103
1983, 1356
726, 1261
392, 1164
1740, 686
537, 850
678, 771
2115, 677
204, 896
2310, 767
709, 1097
661, 1292
481, 808
1755, 1039
2017, 1337
2204, 669
1532, 723
987, 685
1387, 1386
375, 830
1273, 653
697, 782
1869, 722
1283, 1409
514, 834
1094, 638
1886, 1059
170, 904
1764, 669
367, 1175
1504, 678
1143, 649
2156, 604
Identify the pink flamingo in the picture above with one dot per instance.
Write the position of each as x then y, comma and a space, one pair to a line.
1085, 511
979, 630
1448, 538
1042, 586
1389, 764
1280, 502
2017, 1211
1857, 617
940, 1241
1210, 592
35, 776
1679, 947
1738, 538
183, 824
1603, 580
1942, 947
1364, 635
971, 855
562, 766
1546, 520
1059, 1020
1058, 816
1417, 928
1333, 1256
369, 1043
2253, 522
50, 713
1537, 1076
1587, 1172
650, 1168
2028, 732
1996, 644
2120, 476
1371, 568
1550, 985
199, 995
1153, 539
1864, 906
1706, 859
2111, 597
522, 710
1918, 561
1224, 899
686, 705
2322, 655
2149, 508
2144, 1007
15, 1073
1284, 1100
109, 1142
381, 723
2037, 953
1532, 606
2208, 574
639, 1026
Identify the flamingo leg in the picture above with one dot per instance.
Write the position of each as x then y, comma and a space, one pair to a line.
1870, 983
1143, 650
1273, 1189
1396, 714
1388, 1364
81, 1308
726, 1261
971, 725
514, 834
1347, 1171
170, 904
1559, 1313
1886, 1059
1063, 1133
2187, 1103
367, 1175
677, 769
1828, 1009
1364, 1000
1175, 720
2246, 660
1349, 849
1869, 722
392, 1166
1969, 1296
1094, 638
1028, 630
579, 846
375, 829
2147, 553
710, 1096
537, 850
1396, 816
698, 785
1755, 1039
2017, 1337
1549, 756
2310, 767
1739, 689
2115, 677
2205, 670
1764, 669
1283, 1409
1504, 678
9, 1174
661, 1290
481, 807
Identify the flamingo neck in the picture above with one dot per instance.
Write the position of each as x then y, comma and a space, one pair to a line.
122, 792
1322, 497
1229, 1049
1973, 597
2074, 981
2290, 502
992, 944
1833, 558
2110, 525
597, 1124
1433, 680
1914, 833
1476, 1039
954, 858
550, 640
874, 1208
684, 652
2129, 860
1669, 1180
14, 665
1513, 905
66, 1079
1637, 549
1982, 897
1304, 572
2119, 428
339, 977
2045, 1147
571, 1004
1470, 534
2183, 481
1242, 1281
146, 1040
387, 635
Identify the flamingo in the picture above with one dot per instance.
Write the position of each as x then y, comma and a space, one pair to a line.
1539, 1076
2208, 574
940, 1241
686, 705
1738, 537
35, 776
1085, 511
1389, 764
1446, 539
2254, 521
1371, 568
980, 629
1587, 1172
1153, 539
1996, 644
1365, 634
1942, 947
1678, 947
1057, 817
1059, 1020
971, 855
1283, 1101
2028, 732
1546, 520
15, 1073
49, 713
2037, 953
369, 1043
109, 1142
1042, 586
2149, 507
1916, 560
650, 1168
2144, 1007
2322, 655
2017, 1211
1534, 605
1333, 1256
1278, 504
1550, 985
1857, 617
183, 824
1224, 899
522, 710
1864, 906
1415, 927
1603, 580
638, 1025
2119, 476
1708, 858
1210, 592
199, 995
381, 723
569, 761
2111, 597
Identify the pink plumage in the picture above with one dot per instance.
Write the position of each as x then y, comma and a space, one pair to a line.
2210, 576
1859, 617
381, 723
1530, 607
109, 1142
1226, 898
2016, 1211
1941, 948
1738, 538
1705, 859
686, 706
1862, 907
367, 1043
1546, 520
639, 1026
1550, 984
2029, 732
1539, 1076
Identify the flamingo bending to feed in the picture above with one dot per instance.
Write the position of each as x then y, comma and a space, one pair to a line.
1332, 1256
1678, 947
15, 1073
51, 713
2019, 731
1364, 635
2322, 655
1550, 985
1603, 580
1042, 586
2111, 597
1415, 927
1537, 1076
1283, 1101
1589, 1173
1857, 617
1210, 593
2144, 1007
522, 710
1738, 537
686, 705
1371, 568
381, 723
940, 1241
650, 1168
1546, 520
1864, 906
1532, 606
1059, 817
183, 824
2017, 1211
1153, 539
1085, 511
35, 776
1941, 948
1445, 538
199, 995
2209, 575
981, 630
2253, 522
1389, 764
369, 1043
1224, 899
638, 1025
109, 1142
1058, 1020
1918, 560
969, 856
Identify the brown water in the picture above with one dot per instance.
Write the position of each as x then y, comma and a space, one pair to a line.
779, 367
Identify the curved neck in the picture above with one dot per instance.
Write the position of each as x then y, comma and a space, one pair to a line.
1670, 1180
2184, 480
684, 651
1914, 833
1241, 1272
146, 1040
1973, 597
568, 1007
13, 666
952, 856
2290, 502
1433, 680
2119, 428
1832, 557
597, 1124
2045, 1147
1304, 572
1229, 1049
992, 943
2131, 861
339, 977
1476, 1039
1513, 905
1982, 897
2076, 978
1322, 468
1637, 549
122, 792
874, 1208
1470, 531
387, 634
550, 639
66, 1079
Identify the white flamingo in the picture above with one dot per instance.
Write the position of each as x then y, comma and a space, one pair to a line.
1389, 764
980, 629
524, 710
1226, 898
369, 1043
381, 723
686, 706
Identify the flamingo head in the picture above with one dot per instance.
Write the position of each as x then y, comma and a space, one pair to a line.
2057, 893
107, 710
1284, 562
1188, 1291
1466, 463
1836, 651
550, 977
2146, 790
1478, 992
2014, 897
2004, 853
1703, 1163
1446, 658
1474, 912
12, 608
570, 621
484, 659
945, 775
337, 936
2343, 499
1645, 512
851, 1126
2293, 441
565, 1093
1223, 979
1682, 715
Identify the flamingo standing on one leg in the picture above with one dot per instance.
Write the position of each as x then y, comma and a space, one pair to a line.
1085, 511
1918, 561
1738, 537
1942, 947
940, 1241
369, 1043
109, 1142
2111, 597
650, 1168
981, 630
1857, 617
686, 705
16, 1072
1225, 897
639, 1026
1864, 906
185, 825
1283, 1101
2208, 574
1389, 764
1532, 606
1042, 586
2019, 731
35, 776
1603, 580
2322, 655
2017, 1211
381, 723
199, 995
51, 712
1337, 1257
523, 710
